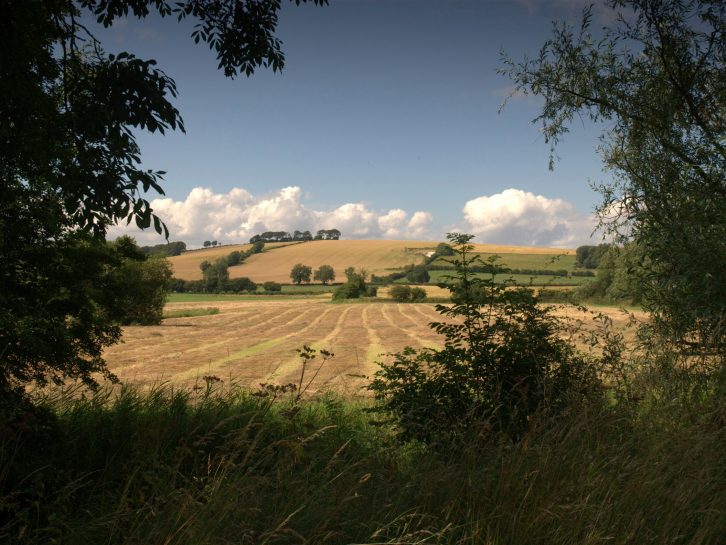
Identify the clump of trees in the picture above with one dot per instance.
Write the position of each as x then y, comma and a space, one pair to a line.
355, 286
272, 287
588, 257
296, 236
169, 249
210, 243
407, 294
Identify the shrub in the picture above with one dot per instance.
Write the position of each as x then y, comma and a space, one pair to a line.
400, 292
418, 294
234, 258
354, 288
272, 287
418, 275
241, 284
503, 362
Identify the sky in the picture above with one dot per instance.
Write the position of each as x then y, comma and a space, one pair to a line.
384, 123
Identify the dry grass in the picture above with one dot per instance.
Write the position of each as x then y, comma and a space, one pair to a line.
186, 265
255, 341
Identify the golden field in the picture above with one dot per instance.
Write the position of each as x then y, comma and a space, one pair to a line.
254, 341
375, 256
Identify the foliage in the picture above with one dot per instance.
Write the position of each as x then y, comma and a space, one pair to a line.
617, 279
444, 250
354, 288
140, 284
71, 166
203, 466
272, 287
168, 249
654, 78
327, 234
405, 294
237, 285
216, 275
504, 361
234, 258
324, 274
418, 274
588, 257
257, 247
301, 273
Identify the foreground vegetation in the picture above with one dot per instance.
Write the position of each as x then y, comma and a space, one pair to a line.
220, 465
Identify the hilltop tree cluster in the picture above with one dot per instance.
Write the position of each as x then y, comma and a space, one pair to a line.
296, 236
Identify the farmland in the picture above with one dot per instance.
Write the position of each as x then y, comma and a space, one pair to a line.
375, 256
254, 341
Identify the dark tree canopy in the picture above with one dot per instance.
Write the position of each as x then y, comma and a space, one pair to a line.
71, 167
655, 78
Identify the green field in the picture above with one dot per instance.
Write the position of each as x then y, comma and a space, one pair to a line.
521, 279
525, 261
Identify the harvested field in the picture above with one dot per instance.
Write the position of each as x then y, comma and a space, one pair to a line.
186, 265
254, 341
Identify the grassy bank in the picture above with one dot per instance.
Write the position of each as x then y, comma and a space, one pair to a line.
209, 467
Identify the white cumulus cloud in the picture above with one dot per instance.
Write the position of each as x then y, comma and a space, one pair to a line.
237, 215
523, 218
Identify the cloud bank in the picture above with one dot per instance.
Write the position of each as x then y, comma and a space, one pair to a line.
511, 217
523, 218
236, 216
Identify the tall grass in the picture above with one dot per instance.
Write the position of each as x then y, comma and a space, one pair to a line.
222, 466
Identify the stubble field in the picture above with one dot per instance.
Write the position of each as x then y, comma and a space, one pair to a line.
253, 342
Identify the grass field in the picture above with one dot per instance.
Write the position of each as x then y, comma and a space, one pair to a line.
521, 279
375, 256
254, 339
562, 260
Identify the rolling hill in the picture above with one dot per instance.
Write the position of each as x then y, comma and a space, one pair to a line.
375, 256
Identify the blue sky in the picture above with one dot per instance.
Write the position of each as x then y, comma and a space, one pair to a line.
385, 108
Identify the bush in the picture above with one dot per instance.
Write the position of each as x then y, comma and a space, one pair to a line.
234, 258
354, 288
418, 275
237, 285
400, 292
272, 287
503, 362
418, 295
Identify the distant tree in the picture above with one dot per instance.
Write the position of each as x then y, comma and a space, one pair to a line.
324, 274
215, 275
214, 243
301, 273
444, 250
234, 258
418, 275
327, 234
204, 265
257, 247
255, 239
207, 243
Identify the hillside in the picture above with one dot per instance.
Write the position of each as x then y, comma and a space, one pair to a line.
375, 256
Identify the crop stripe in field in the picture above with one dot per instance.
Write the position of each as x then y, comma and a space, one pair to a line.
392, 323
375, 347
253, 349
428, 338
287, 366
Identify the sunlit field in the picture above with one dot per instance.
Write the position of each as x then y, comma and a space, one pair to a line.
254, 340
